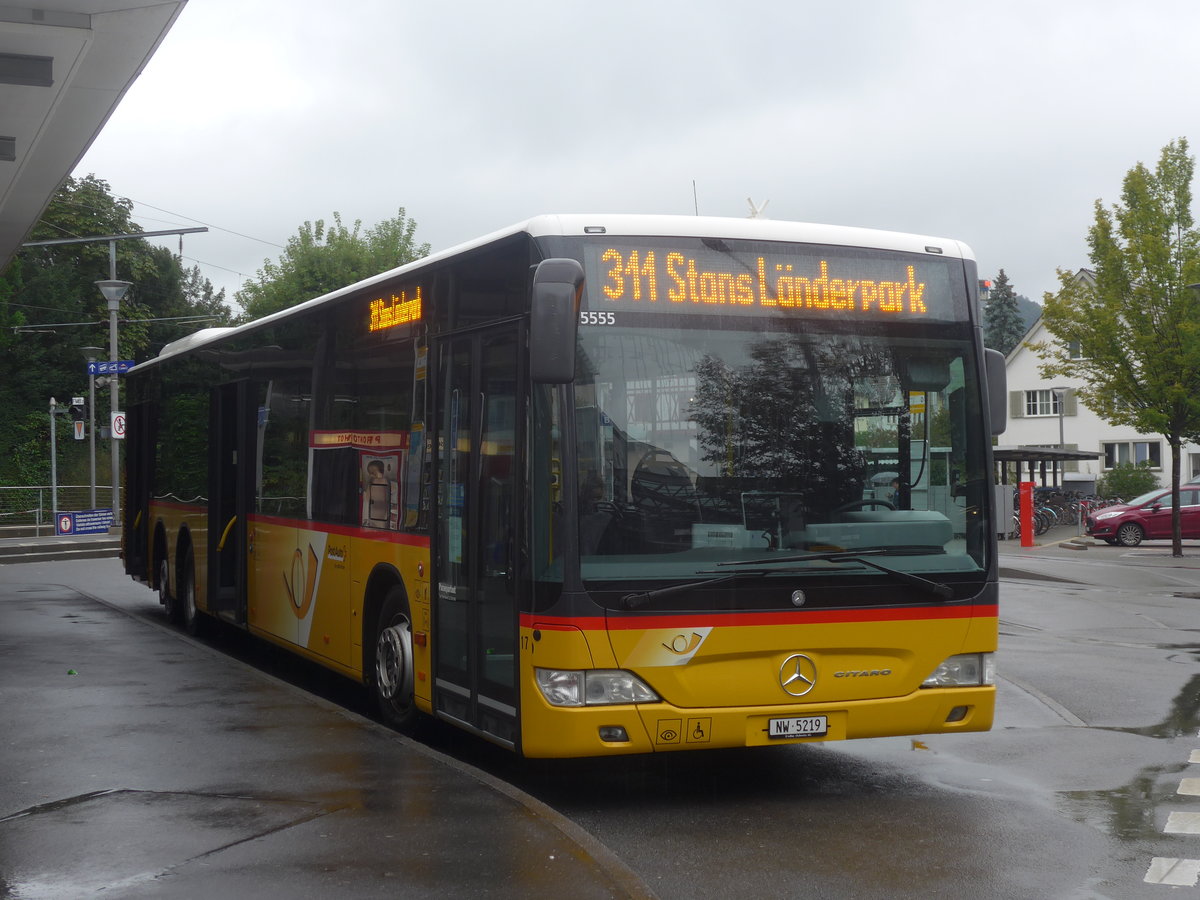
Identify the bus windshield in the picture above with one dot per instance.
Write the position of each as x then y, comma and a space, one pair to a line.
698, 446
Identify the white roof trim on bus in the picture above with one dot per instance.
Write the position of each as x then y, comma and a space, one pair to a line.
203, 336
618, 226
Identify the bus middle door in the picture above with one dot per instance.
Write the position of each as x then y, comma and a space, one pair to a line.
475, 626
231, 465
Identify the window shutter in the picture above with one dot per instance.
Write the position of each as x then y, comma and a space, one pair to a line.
1016, 404
1070, 404
1071, 465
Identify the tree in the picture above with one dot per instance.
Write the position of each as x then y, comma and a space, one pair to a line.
1030, 311
1132, 332
1126, 481
320, 259
1003, 326
49, 292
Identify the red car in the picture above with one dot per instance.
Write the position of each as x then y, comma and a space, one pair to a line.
1147, 517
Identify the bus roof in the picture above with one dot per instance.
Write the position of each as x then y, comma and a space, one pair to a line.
623, 224
740, 229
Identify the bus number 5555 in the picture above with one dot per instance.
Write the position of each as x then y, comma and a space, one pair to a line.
597, 318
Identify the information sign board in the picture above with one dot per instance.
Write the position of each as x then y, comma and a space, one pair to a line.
84, 521
116, 367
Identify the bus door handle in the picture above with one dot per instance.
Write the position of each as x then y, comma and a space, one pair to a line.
225, 534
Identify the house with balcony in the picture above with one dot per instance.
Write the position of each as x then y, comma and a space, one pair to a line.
1045, 413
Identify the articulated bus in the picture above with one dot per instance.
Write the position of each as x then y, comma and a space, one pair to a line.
599, 485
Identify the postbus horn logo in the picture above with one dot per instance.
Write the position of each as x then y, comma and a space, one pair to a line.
302, 575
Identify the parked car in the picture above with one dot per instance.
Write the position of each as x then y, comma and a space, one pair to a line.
1147, 517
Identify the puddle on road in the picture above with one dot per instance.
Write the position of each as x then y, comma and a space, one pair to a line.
1131, 812
1182, 718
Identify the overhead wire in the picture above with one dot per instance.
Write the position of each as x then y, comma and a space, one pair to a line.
139, 203
248, 237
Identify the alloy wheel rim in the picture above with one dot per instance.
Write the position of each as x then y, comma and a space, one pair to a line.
393, 662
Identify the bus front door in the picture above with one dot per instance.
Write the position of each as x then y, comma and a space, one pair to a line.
476, 614
231, 463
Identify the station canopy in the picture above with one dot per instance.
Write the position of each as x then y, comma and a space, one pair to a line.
64, 67
1040, 457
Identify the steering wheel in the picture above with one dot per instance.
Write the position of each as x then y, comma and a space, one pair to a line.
859, 504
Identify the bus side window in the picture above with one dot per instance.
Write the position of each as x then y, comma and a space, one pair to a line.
335, 485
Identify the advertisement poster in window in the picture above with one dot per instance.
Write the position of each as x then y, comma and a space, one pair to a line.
380, 489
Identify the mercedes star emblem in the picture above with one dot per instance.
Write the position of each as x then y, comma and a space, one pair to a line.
798, 675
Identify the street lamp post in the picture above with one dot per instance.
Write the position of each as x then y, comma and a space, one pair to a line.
90, 353
1060, 395
113, 291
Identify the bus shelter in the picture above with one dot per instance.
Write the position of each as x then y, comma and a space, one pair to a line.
1045, 464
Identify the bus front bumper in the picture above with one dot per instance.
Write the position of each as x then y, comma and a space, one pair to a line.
659, 727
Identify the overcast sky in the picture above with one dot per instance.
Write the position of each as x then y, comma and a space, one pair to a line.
998, 124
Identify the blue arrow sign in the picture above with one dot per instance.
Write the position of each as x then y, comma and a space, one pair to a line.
119, 367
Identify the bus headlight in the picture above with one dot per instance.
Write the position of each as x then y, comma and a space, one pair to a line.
592, 687
965, 670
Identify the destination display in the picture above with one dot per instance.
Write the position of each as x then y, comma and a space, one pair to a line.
398, 308
782, 280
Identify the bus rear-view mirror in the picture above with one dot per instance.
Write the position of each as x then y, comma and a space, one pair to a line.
554, 320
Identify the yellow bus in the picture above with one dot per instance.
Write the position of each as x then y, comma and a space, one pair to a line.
598, 485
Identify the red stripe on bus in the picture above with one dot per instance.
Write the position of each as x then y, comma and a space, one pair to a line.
811, 617
373, 534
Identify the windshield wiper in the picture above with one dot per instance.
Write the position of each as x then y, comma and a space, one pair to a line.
641, 598
941, 591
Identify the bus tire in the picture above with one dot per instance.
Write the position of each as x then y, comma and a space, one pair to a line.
170, 603
193, 619
392, 677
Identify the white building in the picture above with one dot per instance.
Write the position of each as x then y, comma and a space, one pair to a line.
1047, 414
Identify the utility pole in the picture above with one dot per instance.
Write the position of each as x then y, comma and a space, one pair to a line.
53, 463
90, 353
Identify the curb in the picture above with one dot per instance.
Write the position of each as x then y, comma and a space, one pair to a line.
23, 550
1025, 575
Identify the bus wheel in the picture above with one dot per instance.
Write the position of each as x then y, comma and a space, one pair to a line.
185, 586
170, 604
393, 676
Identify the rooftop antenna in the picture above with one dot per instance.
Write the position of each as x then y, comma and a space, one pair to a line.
695, 197
756, 211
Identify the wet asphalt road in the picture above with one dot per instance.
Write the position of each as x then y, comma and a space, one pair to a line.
136, 762
1080, 791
